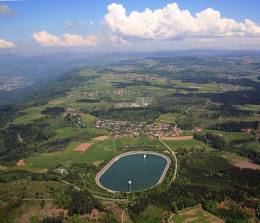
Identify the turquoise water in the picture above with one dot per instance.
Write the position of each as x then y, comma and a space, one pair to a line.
144, 173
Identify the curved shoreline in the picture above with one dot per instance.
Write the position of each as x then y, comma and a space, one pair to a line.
116, 158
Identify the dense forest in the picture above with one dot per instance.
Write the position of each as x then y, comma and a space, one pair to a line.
197, 184
18, 141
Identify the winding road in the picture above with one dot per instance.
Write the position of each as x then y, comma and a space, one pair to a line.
174, 156
126, 200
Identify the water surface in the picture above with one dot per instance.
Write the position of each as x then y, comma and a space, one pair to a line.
143, 172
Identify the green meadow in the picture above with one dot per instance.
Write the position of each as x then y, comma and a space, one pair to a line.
187, 144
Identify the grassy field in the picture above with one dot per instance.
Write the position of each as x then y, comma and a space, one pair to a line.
195, 215
105, 150
239, 161
254, 117
187, 144
253, 108
69, 132
98, 151
167, 118
30, 115
230, 136
88, 119
52, 159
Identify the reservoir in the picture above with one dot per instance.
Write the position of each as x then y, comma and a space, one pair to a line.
133, 171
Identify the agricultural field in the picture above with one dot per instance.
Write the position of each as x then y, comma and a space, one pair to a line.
29, 115
195, 214
167, 118
105, 150
189, 144
66, 134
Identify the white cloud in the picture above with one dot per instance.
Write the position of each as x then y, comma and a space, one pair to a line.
4, 44
5, 10
170, 22
119, 41
67, 40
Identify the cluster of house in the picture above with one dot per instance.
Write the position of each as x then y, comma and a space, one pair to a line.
139, 102
167, 129
74, 119
228, 87
120, 128
90, 94
119, 91
85, 94
142, 77
127, 128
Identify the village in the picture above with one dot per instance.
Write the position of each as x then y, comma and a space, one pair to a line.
127, 128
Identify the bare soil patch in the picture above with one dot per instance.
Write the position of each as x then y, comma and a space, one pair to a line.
44, 170
20, 163
101, 138
176, 138
94, 215
191, 212
3, 167
82, 147
197, 214
242, 162
97, 162
190, 220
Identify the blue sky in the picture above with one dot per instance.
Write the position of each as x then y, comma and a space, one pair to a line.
86, 18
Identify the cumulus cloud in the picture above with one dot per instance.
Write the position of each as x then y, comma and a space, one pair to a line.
119, 41
5, 10
4, 44
66, 40
170, 22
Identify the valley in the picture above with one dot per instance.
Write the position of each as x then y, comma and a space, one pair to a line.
201, 112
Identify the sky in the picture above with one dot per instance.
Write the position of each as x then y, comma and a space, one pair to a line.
43, 26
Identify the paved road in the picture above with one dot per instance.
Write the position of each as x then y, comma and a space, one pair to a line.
175, 158
126, 200
96, 196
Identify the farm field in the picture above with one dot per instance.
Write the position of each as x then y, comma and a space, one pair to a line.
241, 162
105, 150
30, 115
187, 144
52, 159
195, 215
54, 146
167, 118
